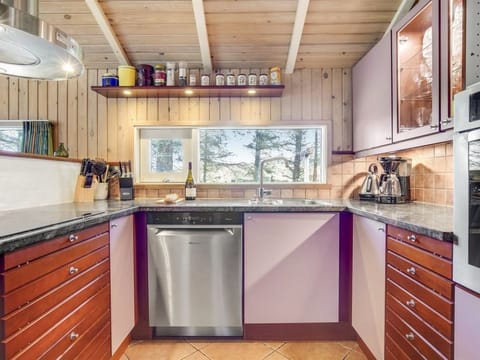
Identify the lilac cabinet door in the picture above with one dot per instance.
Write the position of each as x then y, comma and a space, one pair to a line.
467, 324
368, 283
291, 268
372, 97
122, 281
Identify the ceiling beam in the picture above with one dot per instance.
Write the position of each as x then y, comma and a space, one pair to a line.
107, 30
199, 13
300, 16
404, 7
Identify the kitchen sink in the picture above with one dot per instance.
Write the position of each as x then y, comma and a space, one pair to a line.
287, 202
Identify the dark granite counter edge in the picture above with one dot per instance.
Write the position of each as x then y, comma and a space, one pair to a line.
10, 243
436, 234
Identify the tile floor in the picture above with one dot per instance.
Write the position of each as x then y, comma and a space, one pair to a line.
242, 350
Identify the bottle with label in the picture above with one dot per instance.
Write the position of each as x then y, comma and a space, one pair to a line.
190, 189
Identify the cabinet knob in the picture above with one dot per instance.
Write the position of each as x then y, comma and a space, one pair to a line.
412, 238
72, 237
410, 303
73, 335
447, 121
73, 270
388, 138
410, 336
381, 229
249, 218
433, 126
113, 226
411, 270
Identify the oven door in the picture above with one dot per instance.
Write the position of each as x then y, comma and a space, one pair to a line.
466, 252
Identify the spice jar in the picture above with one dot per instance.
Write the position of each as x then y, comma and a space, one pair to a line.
275, 78
144, 75
241, 80
182, 73
193, 80
230, 80
252, 79
219, 80
170, 74
205, 80
263, 79
160, 76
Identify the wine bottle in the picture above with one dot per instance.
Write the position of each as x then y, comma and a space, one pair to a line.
190, 189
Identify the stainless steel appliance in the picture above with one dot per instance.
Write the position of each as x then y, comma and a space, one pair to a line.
195, 273
394, 185
466, 141
369, 189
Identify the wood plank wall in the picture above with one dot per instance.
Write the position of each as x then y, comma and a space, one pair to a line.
92, 126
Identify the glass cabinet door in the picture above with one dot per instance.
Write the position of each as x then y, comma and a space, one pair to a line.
453, 61
416, 66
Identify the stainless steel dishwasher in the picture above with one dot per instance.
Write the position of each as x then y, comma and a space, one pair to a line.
195, 273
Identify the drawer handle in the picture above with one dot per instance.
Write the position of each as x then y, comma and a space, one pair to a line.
410, 336
381, 229
412, 238
73, 238
411, 303
73, 335
113, 226
412, 270
73, 270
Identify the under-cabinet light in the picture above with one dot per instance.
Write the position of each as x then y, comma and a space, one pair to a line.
189, 92
127, 92
252, 91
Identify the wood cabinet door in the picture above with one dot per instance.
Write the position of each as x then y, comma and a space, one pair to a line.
122, 278
291, 267
372, 97
368, 283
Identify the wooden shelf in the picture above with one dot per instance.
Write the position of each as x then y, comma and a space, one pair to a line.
179, 91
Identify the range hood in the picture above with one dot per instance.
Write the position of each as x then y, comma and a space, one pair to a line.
32, 48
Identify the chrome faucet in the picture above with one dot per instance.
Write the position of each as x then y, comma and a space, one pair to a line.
261, 191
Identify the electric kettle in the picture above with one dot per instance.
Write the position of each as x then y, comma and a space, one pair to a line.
369, 188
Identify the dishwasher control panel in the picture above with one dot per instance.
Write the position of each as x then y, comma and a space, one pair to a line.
195, 218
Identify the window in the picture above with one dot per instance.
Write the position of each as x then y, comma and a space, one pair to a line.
11, 134
232, 155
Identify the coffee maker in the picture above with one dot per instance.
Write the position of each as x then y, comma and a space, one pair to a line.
394, 184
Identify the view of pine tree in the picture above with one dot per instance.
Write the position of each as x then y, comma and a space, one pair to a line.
214, 153
315, 158
10, 140
298, 143
263, 141
165, 154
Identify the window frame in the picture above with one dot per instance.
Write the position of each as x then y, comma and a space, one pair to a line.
326, 155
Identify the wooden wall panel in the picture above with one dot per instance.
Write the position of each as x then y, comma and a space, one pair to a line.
91, 125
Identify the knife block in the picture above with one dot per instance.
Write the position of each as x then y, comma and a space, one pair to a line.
84, 194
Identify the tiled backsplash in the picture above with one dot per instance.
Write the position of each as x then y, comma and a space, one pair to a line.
431, 181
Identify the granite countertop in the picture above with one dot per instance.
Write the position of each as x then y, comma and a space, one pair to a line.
22, 227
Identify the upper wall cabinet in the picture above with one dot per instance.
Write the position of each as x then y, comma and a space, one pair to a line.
372, 97
425, 79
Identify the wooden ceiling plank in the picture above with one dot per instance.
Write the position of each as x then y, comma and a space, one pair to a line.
107, 30
297, 32
248, 6
199, 14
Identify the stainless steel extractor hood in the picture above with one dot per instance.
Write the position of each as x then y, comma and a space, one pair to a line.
32, 48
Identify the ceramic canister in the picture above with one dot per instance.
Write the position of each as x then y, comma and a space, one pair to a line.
126, 75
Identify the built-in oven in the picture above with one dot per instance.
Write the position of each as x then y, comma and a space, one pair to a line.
466, 251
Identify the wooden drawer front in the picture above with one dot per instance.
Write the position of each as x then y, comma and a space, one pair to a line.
19, 319
400, 331
76, 339
436, 282
429, 336
393, 351
28, 272
18, 257
41, 333
435, 263
400, 341
442, 248
35, 289
98, 347
415, 305
428, 296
